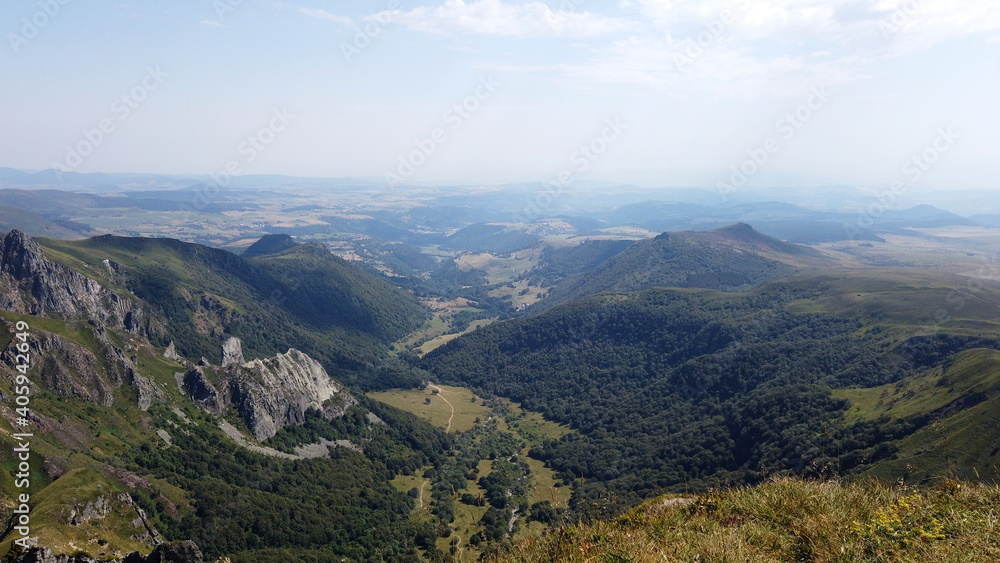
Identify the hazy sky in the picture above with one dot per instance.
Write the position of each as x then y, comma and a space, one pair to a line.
658, 92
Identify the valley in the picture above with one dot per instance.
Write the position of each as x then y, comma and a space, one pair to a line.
465, 385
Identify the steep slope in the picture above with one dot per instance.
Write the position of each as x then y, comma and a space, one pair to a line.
680, 388
958, 403
729, 259
127, 447
197, 296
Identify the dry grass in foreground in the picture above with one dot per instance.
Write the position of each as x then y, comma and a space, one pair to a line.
790, 520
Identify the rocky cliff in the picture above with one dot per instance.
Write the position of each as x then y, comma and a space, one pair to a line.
31, 284
268, 394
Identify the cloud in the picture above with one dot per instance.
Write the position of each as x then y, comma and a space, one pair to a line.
926, 22
324, 15
750, 48
496, 17
212, 23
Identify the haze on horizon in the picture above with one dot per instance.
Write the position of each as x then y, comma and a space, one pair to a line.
653, 92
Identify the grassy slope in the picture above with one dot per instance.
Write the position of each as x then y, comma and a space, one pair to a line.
789, 520
963, 400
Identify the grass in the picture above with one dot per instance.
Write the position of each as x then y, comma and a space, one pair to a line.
467, 517
964, 401
438, 412
443, 339
51, 509
789, 520
972, 372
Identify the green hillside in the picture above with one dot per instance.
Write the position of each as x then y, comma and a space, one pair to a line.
730, 259
337, 313
959, 404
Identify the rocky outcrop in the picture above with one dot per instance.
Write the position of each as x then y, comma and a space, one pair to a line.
202, 391
232, 352
178, 552
67, 368
171, 352
96, 509
32, 284
268, 394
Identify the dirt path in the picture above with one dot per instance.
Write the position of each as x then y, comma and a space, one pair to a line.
440, 393
420, 497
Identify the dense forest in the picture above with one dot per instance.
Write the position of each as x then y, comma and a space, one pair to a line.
256, 508
681, 389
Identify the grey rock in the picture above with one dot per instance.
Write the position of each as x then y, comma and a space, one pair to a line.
202, 391
171, 352
34, 285
232, 352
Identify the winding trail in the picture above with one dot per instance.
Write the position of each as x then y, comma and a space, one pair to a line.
440, 393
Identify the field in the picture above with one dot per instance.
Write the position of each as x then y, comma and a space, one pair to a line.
455, 409
438, 331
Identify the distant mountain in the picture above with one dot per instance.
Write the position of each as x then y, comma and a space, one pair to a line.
269, 244
729, 259
782, 220
487, 237
33, 224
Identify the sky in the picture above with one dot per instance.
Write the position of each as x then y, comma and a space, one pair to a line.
884, 94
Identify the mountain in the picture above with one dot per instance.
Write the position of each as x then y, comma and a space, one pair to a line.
137, 438
198, 296
485, 237
731, 258
674, 389
269, 244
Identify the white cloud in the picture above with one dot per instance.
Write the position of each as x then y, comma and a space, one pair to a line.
749, 48
324, 15
925, 22
495, 17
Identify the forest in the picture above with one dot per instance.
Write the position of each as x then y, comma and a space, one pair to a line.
675, 390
